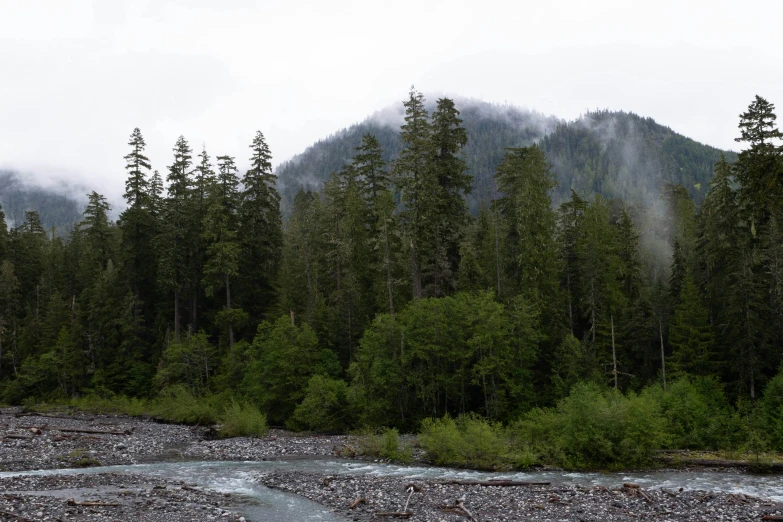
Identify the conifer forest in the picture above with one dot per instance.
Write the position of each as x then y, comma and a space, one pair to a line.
392, 297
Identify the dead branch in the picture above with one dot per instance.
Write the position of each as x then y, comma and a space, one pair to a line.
504, 483
356, 502
93, 432
20, 437
461, 505
14, 515
394, 514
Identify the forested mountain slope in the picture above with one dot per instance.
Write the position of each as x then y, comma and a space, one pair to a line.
615, 154
55, 208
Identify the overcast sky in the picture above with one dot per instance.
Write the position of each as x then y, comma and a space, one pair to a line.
77, 76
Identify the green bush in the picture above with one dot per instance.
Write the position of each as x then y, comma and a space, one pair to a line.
470, 441
772, 411
699, 416
323, 407
384, 443
242, 420
595, 428
178, 404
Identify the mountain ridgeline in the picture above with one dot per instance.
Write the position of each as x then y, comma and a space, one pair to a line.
614, 154
56, 210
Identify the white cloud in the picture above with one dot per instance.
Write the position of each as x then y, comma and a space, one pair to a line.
77, 76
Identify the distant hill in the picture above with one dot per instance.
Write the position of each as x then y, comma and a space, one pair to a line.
56, 209
616, 154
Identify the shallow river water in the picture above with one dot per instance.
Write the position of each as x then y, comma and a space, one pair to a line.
262, 503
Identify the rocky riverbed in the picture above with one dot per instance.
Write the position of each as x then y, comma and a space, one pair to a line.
363, 498
71, 440
110, 497
30, 441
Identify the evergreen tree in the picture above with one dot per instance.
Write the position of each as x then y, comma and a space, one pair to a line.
3, 235
220, 236
137, 221
174, 227
97, 229
690, 334
371, 169
412, 175
260, 231
760, 167
448, 213
526, 183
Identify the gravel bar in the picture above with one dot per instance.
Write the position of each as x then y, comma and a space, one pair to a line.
364, 497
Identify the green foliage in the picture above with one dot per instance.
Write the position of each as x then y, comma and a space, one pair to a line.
323, 408
384, 443
772, 411
596, 428
189, 363
242, 420
178, 404
470, 441
283, 358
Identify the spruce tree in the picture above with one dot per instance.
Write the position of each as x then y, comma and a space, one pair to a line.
524, 179
260, 231
136, 221
96, 228
220, 237
760, 166
412, 175
3, 235
174, 228
448, 212
690, 334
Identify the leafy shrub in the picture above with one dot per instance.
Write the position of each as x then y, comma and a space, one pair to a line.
469, 441
699, 416
178, 404
242, 420
772, 411
384, 443
593, 427
323, 407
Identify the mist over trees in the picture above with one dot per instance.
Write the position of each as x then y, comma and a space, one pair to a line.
383, 300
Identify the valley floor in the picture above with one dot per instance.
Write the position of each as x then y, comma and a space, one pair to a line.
61, 440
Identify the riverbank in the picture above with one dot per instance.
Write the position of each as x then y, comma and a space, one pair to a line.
58, 440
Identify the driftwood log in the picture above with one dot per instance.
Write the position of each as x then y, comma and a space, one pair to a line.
504, 483
14, 515
92, 432
461, 505
394, 514
357, 502
87, 503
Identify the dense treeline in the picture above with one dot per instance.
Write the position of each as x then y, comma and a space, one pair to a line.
383, 301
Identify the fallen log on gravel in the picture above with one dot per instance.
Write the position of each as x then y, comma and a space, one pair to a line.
87, 503
357, 502
504, 483
14, 515
712, 463
20, 437
92, 432
394, 514
772, 517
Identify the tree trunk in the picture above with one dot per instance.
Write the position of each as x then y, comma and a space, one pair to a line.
1, 352
663, 356
176, 316
614, 354
228, 307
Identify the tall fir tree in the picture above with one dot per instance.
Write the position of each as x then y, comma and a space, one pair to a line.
412, 175
690, 334
260, 231
174, 227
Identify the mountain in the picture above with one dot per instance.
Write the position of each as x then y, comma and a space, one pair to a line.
56, 209
615, 154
